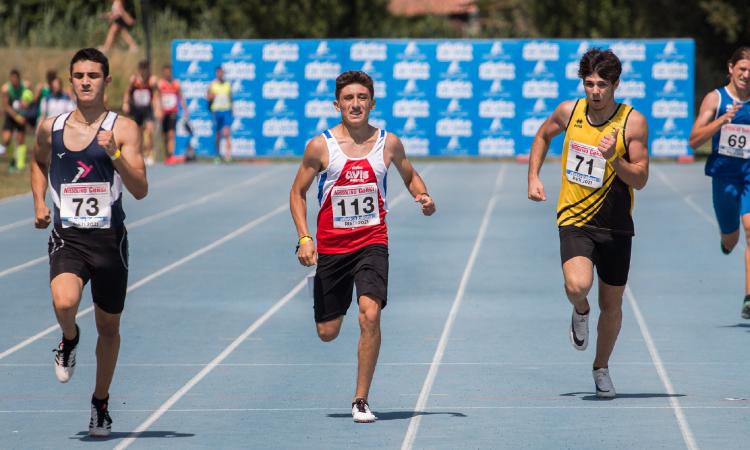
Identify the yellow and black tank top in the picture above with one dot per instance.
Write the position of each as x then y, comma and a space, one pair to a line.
592, 195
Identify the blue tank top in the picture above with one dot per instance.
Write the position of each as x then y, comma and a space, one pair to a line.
85, 187
719, 163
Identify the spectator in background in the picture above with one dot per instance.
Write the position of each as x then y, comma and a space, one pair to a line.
56, 102
141, 102
219, 98
16, 98
119, 22
171, 100
41, 92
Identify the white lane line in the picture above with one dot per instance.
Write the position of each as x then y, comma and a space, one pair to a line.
411, 432
205, 198
159, 215
16, 224
444, 409
227, 351
686, 198
14, 197
448, 409
179, 176
243, 229
20, 267
687, 434
512, 365
709, 218
210, 367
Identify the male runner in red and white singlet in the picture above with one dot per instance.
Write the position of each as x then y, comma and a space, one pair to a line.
351, 162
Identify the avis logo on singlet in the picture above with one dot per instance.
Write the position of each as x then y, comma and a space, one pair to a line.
357, 174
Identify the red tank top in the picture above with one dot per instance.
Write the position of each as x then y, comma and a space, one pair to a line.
169, 97
352, 195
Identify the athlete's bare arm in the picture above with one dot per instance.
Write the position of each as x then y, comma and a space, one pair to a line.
634, 171
554, 125
394, 152
185, 111
126, 96
156, 97
39, 171
706, 123
129, 165
6, 102
209, 94
313, 161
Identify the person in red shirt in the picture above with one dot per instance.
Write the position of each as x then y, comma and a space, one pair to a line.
171, 100
351, 161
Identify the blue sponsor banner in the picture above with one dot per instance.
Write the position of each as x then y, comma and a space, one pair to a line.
441, 97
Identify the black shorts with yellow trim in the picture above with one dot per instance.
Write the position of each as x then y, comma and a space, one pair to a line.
609, 251
336, 276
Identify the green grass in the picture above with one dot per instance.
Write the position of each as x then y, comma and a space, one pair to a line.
13, 183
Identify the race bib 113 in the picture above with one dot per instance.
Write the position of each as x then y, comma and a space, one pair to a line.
355, 206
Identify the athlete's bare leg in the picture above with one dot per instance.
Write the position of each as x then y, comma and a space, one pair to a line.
169, 142
148, 141
728, 241
579, 277
746, 226
110, 39
610, 321
228, 143
107, 349
329, 330
369, 343
218, 143
66, 296
132, 46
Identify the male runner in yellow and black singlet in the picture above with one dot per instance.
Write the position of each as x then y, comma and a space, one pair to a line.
604, 157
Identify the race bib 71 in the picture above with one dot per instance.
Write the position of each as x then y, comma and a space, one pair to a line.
585, 165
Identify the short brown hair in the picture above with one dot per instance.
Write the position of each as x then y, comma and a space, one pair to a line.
740, 53
601, 62
354, 77
93, 55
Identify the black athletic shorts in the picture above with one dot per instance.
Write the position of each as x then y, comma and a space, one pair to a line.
121, 22
336, 276
141, 114
168, 122
11, 124
610, 252
99, 255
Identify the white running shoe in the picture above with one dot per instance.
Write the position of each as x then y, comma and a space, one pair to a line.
361, 412
65, 362
100, 424
746, 307
603, 383
579, 330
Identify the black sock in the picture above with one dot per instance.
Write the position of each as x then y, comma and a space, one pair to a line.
724, 250
597, 368
73, 342
99, 403
582, 314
